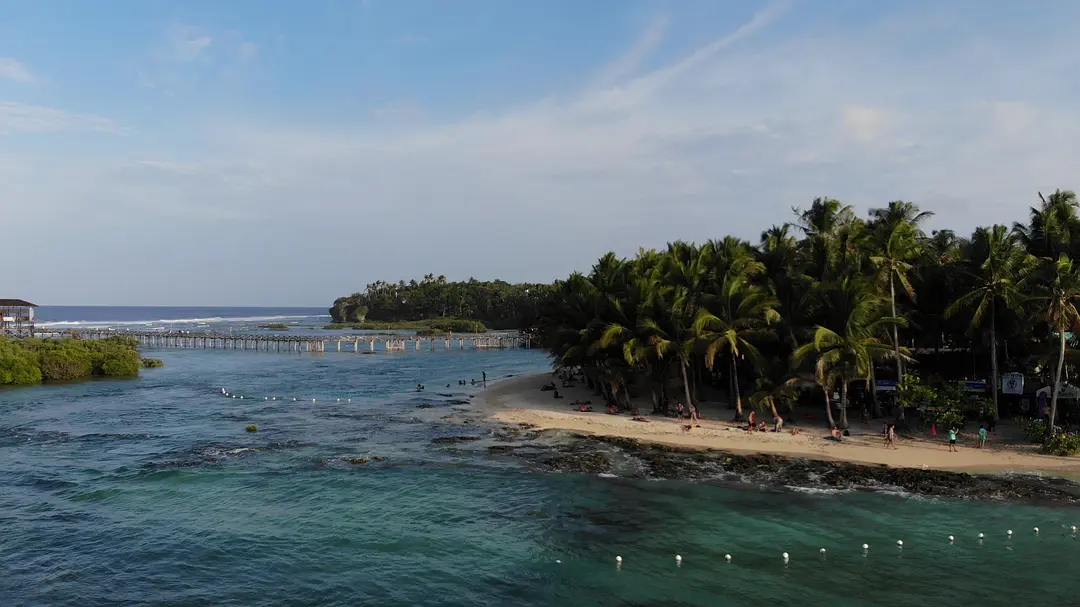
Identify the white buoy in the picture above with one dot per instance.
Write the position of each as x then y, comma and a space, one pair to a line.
981, 536
1036, 530
339, 400
348, 400
727, 557
241, 398
1074, 528
900, 543
618, 559
558, 562
678, 558
313, 400
266, 398
785, 555
822, 551
866, 546
1009, 532
951, 539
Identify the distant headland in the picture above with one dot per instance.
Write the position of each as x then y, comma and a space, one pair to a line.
437, 305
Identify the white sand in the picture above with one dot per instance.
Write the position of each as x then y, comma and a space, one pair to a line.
519, 400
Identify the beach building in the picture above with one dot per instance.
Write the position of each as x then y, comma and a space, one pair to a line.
17, 317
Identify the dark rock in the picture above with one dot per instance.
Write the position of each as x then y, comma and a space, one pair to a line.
425, 406
358, 460
453, 439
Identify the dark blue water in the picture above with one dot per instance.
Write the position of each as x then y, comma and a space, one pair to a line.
150, 492
186, 318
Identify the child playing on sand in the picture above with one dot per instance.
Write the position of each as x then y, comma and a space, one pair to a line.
982, 436
952, 439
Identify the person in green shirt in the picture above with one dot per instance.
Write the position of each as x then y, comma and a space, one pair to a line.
952, 439
982, 436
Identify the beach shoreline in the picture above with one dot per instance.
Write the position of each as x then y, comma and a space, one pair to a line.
519, 400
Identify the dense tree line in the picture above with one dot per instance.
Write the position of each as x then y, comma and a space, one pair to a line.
31, 361
498, 304
826, 304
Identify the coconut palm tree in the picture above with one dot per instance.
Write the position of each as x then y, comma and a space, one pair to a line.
1058, 295
847, 345
997, 268
732, 318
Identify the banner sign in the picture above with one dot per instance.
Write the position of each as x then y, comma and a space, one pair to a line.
1012, 383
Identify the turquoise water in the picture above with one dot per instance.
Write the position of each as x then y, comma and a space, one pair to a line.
149, 491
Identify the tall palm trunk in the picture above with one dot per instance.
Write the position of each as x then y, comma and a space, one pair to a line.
828, 408
1057, 377
685, 383
895, 335
994, 363
873, 393
735, 386
843, 404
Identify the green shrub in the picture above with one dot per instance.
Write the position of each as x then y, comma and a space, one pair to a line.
1062, 444
251, 428
152, 363
31, 361
1034, 430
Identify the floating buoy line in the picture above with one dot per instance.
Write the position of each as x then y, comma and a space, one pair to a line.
227, 394
786, 558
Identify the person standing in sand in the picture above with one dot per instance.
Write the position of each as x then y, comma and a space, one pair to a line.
892, 436
680, 409
694, 416
952, 438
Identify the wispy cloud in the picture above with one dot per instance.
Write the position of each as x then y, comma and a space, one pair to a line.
22, 118
11, 69
723, 140
629, 62
186, 43
248, 51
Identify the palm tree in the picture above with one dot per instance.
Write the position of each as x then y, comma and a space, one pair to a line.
897, 236
998, 267
732, 318
1059, 293
846, 347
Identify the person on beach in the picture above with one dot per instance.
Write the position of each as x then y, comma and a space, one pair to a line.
892, 436
982, 436
952, 438
680, 409
751, 421
484, 375
887, 435
836, 434
694, 416
778, 423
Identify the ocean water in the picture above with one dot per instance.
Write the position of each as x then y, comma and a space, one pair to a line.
149, 492
177, 318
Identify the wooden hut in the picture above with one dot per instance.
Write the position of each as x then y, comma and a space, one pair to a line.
17, 317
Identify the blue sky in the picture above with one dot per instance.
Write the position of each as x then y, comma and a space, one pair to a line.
161, 152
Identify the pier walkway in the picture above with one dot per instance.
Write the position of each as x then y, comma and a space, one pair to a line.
270, 342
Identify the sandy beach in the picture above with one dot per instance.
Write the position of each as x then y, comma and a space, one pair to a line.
519, 400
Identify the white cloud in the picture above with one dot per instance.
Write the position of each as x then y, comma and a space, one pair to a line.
724, 140
248, 51
13, 70
22, 118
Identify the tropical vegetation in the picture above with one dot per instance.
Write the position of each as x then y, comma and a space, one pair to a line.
32, 361
827, 304
496, 304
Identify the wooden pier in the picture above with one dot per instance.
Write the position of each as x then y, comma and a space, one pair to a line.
360, 344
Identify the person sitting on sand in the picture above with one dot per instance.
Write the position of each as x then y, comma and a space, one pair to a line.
638, 418
634, 413
795, 431
585, 408
612, 410
557, 395
419, 387
836, 434
544, 388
